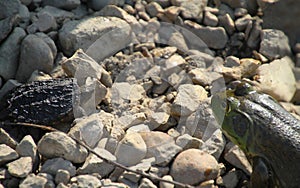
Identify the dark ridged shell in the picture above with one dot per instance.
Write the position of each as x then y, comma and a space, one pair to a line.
42, 102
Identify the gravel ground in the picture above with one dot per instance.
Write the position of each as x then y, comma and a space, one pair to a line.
143, 73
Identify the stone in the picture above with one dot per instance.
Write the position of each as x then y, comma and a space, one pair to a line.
237, 158
161, 146
59, 14
131, 149
277, 79
241, 23
231, 179
8, 86
36, 181
274, 44
52, 166
7, 154
6, 139
46, 23
62, 176
232, 61
130, 120
191, 9
158, 119
153, 8
81, 61
215, 144
187, 142
203, 77
226, 22
9, 8
27, 148
26, 2
63, 4
138, 128
85, 180
253, 33
147, 183
188, 99
6, 26
210, 19
94, 164
213, 37
40, 56
144, 166
100, 4
20, 167
88, 129
9, 53
111, 32
165, 184
58, 144
193, 166
112, 10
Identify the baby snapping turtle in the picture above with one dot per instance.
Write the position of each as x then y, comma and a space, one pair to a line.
44, 102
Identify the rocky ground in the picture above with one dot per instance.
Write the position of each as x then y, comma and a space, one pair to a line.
146, 72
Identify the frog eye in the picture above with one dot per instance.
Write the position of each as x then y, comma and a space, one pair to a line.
241, 124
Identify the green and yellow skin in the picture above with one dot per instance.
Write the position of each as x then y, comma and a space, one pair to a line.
266, 132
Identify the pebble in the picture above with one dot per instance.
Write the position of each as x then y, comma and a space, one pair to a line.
146, 183
274, 44
6, 139
59, 14
7, 154
46, 22
130, 120
88, 129
193, 166
6, 26
231, 179
191, 9
20, 167
63, 4
237, 158
9, 8
40, 57
203, 77
161, 146
165, 184
215, 144
58, 144
131, 149
9, 53
188, 99
87, 180
241, 23
51, 166
277, 74
27, 148
33, 180
154, 8
210, 19
186, 141
62, 176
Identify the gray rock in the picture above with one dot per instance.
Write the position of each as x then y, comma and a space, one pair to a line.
64, 4
40, 56
88, 181
36, 181
187, 142
94, 164
138, 128
111, 32
9, 8
253, 33
188, 99
153, 8
27, 148
213, 37
191, 9
26, 2
215, 144
161, 146
144, 166
231, 179
7, 154
6, 139
203, 77
193, 166
130, 120
88, 129
59, 14
146, 183
131, 149
6, 26
241, 23
158, 119
52, 166
9, 53
210, 19
46, 23
165, 184
232, 61
24, 15
274, 44
237, 158
58, 144
277, 79
20, 167
100, 4
80, 61
227, 22
62, 176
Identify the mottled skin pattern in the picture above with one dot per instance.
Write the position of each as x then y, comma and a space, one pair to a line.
267, 133
42, 102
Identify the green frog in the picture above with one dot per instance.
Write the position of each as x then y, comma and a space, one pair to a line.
265, 131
